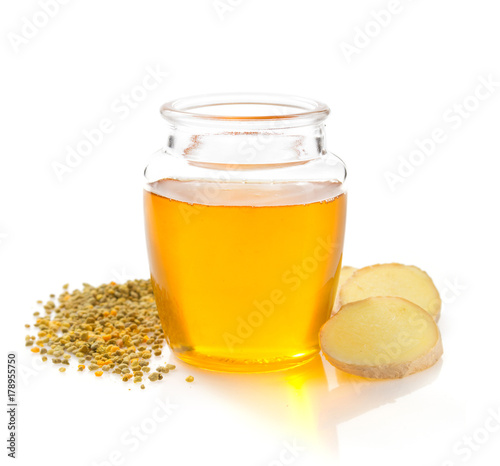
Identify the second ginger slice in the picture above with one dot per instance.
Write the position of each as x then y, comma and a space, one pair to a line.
382, 337
403, 281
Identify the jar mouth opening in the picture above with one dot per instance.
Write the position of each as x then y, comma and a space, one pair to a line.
250, 108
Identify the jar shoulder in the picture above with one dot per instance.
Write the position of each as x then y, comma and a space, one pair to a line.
326, 167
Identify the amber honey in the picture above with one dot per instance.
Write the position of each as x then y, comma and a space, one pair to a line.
244, 275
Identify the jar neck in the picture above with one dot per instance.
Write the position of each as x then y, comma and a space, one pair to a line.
246, 147
245, 129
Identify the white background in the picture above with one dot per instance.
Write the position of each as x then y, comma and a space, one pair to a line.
442, 216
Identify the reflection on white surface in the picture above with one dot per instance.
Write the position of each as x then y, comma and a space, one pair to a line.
308, 403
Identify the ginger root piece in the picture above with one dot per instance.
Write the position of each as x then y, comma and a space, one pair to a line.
345, 274
381, 338
403, 281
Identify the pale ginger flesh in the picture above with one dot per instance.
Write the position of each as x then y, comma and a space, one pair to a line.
381, 337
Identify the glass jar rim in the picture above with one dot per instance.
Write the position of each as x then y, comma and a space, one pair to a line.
254, 109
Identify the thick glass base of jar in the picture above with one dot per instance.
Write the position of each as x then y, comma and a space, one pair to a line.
228, 364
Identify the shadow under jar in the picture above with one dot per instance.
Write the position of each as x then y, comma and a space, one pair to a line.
245, 216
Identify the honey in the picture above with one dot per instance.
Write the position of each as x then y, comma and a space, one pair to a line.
244, 274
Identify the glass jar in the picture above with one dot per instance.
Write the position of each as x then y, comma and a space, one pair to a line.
245, 215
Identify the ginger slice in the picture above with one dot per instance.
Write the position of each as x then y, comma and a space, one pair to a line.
345, 274
403, 281
381, 338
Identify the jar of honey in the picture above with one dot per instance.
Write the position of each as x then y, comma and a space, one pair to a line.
245, 213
